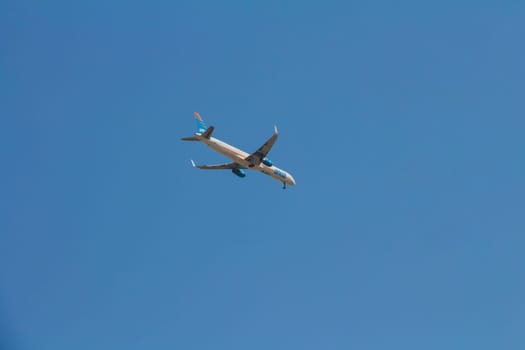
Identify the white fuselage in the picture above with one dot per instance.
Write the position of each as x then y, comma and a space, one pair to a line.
238, 156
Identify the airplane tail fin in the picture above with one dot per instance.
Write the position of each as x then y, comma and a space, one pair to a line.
202, 129
201, 126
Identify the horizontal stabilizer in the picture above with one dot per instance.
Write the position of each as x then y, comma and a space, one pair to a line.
191, 138
207, 134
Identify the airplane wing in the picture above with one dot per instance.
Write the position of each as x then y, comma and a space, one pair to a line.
216, 166
256, 157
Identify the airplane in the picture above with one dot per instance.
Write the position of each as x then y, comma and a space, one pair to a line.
240, 160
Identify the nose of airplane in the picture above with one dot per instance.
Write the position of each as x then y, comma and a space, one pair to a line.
292, 180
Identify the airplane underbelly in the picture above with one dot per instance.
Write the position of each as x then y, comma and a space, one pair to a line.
274, 172
227, 153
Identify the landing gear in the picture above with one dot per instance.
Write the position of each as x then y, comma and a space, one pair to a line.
284, 185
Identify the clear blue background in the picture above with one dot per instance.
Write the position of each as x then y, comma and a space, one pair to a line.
402, 122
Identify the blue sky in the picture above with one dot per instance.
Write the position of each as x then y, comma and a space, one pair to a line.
402, 123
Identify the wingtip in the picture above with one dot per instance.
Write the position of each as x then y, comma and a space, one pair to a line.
275, 129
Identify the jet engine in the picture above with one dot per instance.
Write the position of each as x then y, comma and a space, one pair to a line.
238, 172
267, 162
